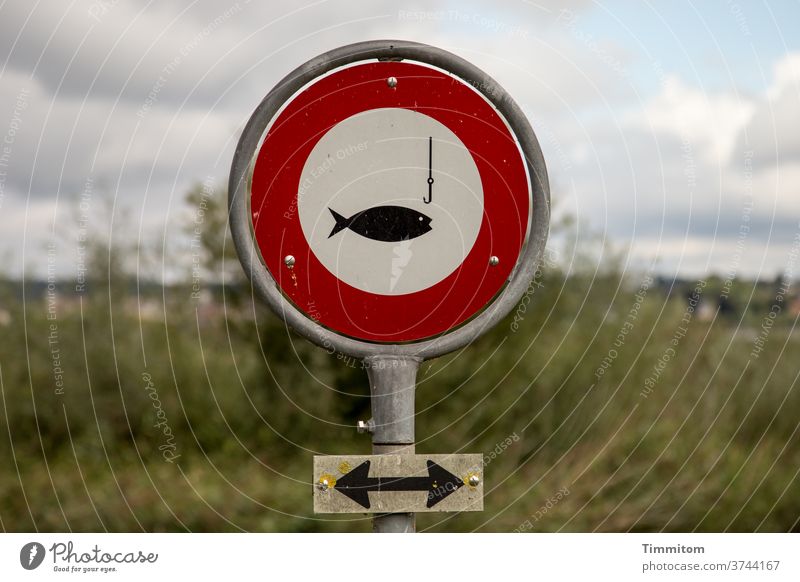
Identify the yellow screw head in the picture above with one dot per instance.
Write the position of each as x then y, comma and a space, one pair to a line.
326, 481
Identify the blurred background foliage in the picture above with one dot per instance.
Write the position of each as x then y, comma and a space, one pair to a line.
712, 447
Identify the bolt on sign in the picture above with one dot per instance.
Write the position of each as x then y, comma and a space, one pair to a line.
389, 201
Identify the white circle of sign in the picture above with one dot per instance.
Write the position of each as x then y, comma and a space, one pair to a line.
362, 201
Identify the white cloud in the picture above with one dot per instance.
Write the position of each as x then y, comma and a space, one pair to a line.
652, 173
671, 177
772, 133
711, 121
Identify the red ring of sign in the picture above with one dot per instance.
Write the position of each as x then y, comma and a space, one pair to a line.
308, 283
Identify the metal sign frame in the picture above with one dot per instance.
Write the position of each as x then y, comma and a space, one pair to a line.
391, 368
241, 222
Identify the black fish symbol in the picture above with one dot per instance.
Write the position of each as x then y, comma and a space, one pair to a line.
384, 223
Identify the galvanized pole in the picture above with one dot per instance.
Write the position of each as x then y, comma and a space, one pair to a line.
392, 382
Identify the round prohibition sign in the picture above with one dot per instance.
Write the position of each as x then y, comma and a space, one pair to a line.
389, 193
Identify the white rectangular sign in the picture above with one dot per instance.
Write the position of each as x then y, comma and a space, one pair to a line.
397, 483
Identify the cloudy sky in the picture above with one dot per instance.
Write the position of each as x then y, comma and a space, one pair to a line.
671, 129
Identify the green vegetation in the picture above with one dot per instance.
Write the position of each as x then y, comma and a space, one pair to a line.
180, 413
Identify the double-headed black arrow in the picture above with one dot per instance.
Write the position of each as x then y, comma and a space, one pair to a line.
357, 484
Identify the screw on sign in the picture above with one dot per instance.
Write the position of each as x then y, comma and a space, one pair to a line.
389, 200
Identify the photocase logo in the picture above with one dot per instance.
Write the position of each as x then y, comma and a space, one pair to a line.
31, 555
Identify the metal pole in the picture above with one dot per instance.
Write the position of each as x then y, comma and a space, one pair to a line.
392, 381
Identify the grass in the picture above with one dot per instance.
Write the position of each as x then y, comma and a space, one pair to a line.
711, 447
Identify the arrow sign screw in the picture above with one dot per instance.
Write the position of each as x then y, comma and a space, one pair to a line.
327, 481
474, 480
365, 426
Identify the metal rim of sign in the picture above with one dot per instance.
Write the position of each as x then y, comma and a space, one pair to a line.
241, 222
301, 181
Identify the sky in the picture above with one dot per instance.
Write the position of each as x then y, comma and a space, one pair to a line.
670, 129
